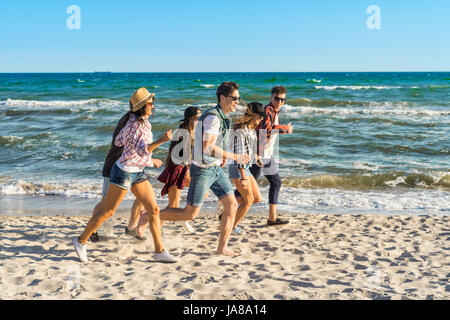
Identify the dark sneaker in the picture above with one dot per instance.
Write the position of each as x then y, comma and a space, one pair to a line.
130, 232
94, 237
134, 234
277, 222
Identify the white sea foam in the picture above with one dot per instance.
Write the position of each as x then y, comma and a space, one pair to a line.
356, 87
333, 201
10, 139
203, 105
36, 104
365, 166
373, 108
206, 85
297, 200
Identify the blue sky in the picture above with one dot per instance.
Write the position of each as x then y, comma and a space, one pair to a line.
216, 36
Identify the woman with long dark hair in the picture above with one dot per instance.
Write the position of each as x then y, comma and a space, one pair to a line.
176, 176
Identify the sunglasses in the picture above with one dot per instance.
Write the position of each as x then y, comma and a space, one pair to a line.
278, 99
235, 98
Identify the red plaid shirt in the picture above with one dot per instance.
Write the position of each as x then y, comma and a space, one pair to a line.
268, 124
135, 137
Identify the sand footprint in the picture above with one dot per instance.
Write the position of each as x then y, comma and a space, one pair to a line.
124, 252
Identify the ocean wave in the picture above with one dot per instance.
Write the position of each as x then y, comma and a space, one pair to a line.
206, 85
356, 87
332, 102
293, 199
84, 188
435, 180
335, 201
6, 141
371, 109
313, 81
36, 104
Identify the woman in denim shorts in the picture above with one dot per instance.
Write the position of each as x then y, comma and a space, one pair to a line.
128, 173
244, 140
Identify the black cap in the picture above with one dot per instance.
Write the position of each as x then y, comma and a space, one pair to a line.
257, 108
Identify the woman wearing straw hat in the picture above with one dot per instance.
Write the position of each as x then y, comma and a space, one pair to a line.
128, 172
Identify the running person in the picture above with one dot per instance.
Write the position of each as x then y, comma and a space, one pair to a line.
128, 172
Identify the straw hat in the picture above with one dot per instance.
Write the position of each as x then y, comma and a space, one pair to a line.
140, 98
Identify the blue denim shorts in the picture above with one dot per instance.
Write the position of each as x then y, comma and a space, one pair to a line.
202, 179
233, 171
124, 179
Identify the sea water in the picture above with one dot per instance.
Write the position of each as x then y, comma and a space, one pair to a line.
362, 142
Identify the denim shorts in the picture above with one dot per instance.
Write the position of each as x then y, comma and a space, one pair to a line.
233, 171
202, 179
124, 179
105, 186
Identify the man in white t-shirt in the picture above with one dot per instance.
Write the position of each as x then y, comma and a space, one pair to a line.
206, 171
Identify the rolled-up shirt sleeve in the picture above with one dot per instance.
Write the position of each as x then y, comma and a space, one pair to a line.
140, 143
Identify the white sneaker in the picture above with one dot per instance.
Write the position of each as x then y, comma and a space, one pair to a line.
219, 210
187, 226
165, 256
81, 250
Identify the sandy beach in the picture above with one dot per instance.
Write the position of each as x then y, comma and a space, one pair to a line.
313, 257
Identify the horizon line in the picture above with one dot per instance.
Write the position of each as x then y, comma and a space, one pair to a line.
50, 72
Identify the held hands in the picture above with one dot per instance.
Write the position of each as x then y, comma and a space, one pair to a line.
259, 161
167, 136
157, 163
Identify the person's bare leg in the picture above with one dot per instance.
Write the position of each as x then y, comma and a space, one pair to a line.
257, 197
135, 214
246, 199
174, 197
98, 207
272, 212
105, 211
145, 194
226, 224
178, 214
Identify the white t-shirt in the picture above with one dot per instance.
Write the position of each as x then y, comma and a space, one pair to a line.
211, 125
268, 151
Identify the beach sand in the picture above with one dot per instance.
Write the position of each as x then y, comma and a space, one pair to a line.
313, 257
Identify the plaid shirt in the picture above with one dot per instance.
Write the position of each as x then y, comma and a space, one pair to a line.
268, 124
244, 141
135, 137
